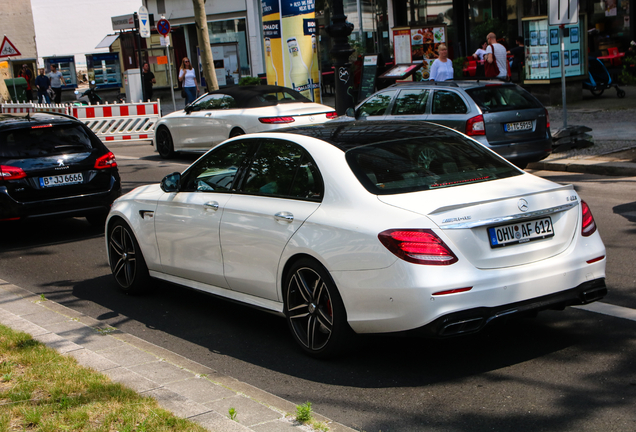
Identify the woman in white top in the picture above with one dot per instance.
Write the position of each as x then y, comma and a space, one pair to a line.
189, 79
442, 68
479, 54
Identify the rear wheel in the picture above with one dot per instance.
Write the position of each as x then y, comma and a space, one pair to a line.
597, 92
236, 132
314, 310
165, 146
126, 261
620, 93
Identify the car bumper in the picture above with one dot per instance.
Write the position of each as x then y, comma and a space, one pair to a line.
78, 205
405, 296
526, 152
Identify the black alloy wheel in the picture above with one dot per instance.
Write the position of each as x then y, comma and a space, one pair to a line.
126, 261
165, 146
314, 310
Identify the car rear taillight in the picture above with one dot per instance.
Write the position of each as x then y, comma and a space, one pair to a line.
11, 173
274, 120
418, 246
332, 115
588, 227
547, 118
106, 161
475, 126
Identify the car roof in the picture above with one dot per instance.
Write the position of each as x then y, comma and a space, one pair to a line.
245, 95
13, 121
464, 84
349, 135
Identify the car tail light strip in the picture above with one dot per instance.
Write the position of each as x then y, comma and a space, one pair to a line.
418, 246
588, 226
593, 260
332, 115
106, 161
452, 291
276, 120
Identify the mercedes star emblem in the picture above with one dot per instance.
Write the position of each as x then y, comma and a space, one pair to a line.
523, 205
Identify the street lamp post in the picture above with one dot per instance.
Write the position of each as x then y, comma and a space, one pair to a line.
339, 31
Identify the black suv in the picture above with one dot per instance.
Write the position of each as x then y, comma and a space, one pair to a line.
53, 165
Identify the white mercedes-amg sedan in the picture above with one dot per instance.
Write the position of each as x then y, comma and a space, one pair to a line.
237, 110
361, 227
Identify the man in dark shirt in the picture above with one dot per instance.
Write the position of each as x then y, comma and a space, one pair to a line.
148, 80
519, 53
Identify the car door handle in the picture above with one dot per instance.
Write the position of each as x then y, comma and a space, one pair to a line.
212, 205
284, 216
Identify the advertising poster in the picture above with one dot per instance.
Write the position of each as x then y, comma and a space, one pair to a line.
273, 46
425, 42
300, 47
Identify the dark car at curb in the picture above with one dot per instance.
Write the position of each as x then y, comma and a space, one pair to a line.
52, 165
502, 116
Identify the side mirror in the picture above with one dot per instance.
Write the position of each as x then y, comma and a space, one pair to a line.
350, 112
171, 182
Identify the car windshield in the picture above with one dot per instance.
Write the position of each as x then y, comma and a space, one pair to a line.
44, 140
418, 164
502, 98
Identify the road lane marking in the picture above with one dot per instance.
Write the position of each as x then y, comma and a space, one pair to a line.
608, 309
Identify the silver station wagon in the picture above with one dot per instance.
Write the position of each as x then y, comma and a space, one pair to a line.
502, 116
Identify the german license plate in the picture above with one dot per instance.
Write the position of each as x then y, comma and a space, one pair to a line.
520, 232
518, 126
61, 180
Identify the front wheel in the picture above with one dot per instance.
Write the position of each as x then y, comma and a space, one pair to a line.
165, 146
314, 310
126, 261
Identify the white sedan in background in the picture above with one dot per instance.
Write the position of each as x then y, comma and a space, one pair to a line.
362, 227
237, 110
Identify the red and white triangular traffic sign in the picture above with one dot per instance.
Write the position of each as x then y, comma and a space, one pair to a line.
7, 49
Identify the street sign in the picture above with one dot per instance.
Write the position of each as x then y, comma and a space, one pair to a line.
163, 26
144, 23
7, 49
123, 22
563, 12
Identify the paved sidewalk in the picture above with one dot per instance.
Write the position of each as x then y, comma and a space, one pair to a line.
188, 389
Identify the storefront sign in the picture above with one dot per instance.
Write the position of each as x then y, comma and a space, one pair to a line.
123, 22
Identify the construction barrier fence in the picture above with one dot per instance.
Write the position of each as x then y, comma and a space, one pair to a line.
110, 122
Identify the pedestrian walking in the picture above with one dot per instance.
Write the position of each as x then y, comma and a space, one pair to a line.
496, 53
519, 53
25, 73
188, 78
57, 81
43, 84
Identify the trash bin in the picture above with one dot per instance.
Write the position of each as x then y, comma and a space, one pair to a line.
18, 94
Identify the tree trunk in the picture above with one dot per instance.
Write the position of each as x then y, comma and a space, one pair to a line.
207, 62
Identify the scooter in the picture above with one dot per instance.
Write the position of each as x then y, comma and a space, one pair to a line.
89, 97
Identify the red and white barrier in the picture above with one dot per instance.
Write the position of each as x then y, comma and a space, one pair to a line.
110, 122
120, 122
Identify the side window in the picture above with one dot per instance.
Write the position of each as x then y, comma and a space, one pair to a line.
215, 102
217, 170
283, 169
410, 102
448, 102
376, 105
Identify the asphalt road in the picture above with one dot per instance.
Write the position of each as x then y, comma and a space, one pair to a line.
562, 371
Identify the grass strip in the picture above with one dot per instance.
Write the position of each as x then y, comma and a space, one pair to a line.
42, 390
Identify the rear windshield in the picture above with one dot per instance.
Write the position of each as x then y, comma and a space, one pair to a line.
502, 98
44, 140
419, 164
